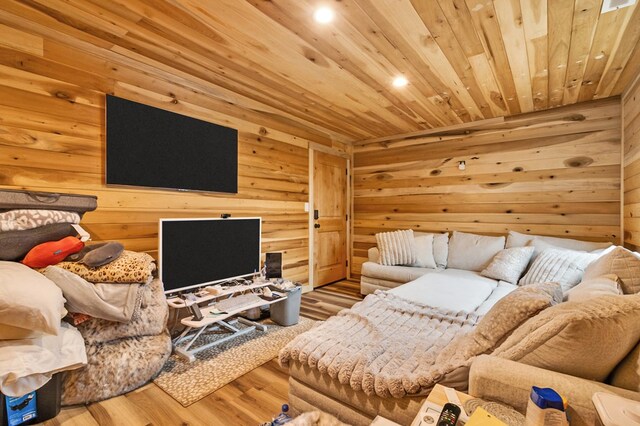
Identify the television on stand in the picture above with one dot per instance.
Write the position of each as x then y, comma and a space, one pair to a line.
198, 252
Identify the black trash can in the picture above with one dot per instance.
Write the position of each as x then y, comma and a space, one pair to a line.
47, 403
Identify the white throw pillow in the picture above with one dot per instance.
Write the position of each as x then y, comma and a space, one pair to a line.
559, 265
28, 300
397, 247
594, 287
441, 249
509, 264
424, 251
472, 252
516, 239
621, 262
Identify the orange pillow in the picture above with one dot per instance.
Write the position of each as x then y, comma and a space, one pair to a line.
52, 252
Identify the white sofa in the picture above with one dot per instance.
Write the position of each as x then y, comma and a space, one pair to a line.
496, 377
375, 276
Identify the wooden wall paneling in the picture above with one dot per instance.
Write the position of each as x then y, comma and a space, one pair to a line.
631, 170
605, 43
616, 64
551, 172
509, 16
486, 25
534, 20
583, 29
560, 19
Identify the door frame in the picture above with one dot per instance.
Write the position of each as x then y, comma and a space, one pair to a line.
349, 207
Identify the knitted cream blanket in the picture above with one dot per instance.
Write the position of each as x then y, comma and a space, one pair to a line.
384, 345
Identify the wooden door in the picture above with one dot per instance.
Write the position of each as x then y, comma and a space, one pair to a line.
330, 227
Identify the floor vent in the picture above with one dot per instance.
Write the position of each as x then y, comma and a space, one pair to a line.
609, 5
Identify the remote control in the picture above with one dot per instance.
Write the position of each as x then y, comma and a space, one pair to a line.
195, 311
449, 415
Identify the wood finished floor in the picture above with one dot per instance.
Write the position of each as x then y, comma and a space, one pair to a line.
249, 400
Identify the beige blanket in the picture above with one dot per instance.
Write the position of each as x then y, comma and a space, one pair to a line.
384, 345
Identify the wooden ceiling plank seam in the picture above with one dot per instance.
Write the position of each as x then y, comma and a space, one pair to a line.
436, 22
605, 44
534, 17
245, 46
461, 22
395, 37
510, 19
560, 20
56, 32
336, 50
488, 30
585, 19
617, 62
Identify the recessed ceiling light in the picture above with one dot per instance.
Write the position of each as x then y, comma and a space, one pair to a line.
400, 81
324, 15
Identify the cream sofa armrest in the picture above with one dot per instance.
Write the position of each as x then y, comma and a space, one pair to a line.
374, 255
510, 382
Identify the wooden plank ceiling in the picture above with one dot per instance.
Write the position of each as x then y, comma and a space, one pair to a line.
465, 60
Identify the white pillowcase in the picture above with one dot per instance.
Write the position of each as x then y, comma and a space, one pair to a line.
397, 247
516, 239
594, 287
472, 252
509, 264
562, 266
27, 365
424, 251
620, 262
28, 300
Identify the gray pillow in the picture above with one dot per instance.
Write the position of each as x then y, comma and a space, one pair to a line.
14, 245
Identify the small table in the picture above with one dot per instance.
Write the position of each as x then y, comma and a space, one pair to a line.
183, 344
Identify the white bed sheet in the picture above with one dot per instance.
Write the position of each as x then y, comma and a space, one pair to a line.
449, 289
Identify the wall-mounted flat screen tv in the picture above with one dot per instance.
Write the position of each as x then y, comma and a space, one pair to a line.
198, 252
151, 147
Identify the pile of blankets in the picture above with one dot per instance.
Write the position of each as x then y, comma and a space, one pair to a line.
121, 312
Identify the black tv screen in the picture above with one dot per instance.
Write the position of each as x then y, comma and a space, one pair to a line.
198, 252
151, 147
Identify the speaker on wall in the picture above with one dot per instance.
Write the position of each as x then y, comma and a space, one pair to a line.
273, 263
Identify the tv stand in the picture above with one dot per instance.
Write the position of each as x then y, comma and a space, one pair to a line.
183, 345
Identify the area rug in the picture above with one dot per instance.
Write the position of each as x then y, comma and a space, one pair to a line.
188, 382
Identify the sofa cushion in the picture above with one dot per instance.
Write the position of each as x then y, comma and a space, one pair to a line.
509, 264
620, 262
401, 274
396, 247
558, 265
516, 239
584, 339
424, 251
29, 300
472, 252
440, 247
627, 373
513, 310
594, 287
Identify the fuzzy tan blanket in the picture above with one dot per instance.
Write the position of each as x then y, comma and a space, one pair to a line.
384, 345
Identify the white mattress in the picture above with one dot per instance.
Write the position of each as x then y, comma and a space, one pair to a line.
454, 290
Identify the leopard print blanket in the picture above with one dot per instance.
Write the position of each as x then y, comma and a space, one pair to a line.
23, 219
122, 356
130, 267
